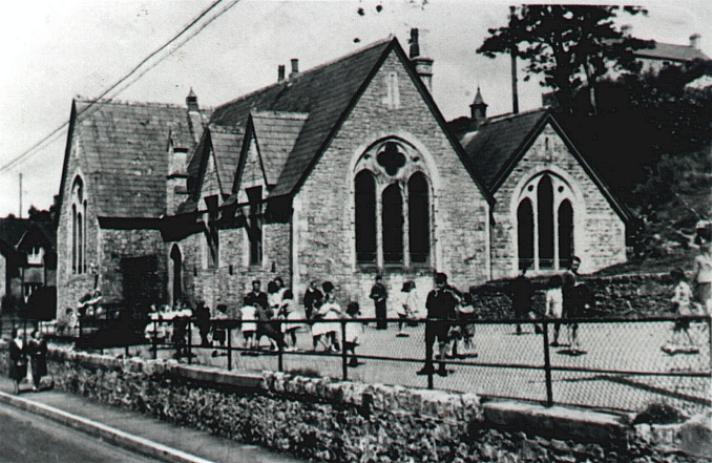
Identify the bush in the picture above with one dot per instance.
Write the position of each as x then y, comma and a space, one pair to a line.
660, 413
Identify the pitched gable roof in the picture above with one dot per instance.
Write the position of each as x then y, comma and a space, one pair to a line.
671, 52
226, 146
276, 132
324, 92
502, 141
125, 149
497, 141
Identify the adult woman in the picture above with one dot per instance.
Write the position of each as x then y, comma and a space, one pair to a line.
18, 359
37, 350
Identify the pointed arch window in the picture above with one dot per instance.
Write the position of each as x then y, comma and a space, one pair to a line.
392, 207
545, 223
366, 242
78, 227
418, 218
392, 220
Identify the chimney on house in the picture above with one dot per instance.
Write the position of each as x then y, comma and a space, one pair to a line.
626, 30
695, 41
423, 65
281, 72
295, 68
191, 101
478, 109
513, 65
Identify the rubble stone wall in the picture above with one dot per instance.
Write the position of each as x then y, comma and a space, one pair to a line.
325, 420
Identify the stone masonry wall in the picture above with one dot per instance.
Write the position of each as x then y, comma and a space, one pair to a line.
599, 235
72, 286
324, 206
324, 420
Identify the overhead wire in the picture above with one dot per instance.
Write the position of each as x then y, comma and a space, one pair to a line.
98, 100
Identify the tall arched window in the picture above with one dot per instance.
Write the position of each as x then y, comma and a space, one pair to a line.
545, 222
566, 233
177, 262
392, 222
545, 217
79, 227
525, 233
365, 190
392, 202
418, 218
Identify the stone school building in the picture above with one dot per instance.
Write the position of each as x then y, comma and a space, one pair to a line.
339, 173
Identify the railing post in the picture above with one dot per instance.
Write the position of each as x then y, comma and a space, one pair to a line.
79, 325
155, 339
280, 347
229, 348
709, 335
429, 355
547, 364
189, 345
344, 363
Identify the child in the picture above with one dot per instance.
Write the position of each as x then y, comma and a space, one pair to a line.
248, 315
325, 330
555, 304
682, 296
291, 311
405, 307
353, 330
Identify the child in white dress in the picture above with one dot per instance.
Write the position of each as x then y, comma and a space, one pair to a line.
248, 315
324, 330
353, 331
681, 301
555, 304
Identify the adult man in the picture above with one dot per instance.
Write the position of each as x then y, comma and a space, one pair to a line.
569, 298
521, 294
379, 296
440, 304
264, 315
257, 297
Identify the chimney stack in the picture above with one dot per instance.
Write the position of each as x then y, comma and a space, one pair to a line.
513, 64
191, 101
423, 65
478, 109
281, 72
295, 68
695, 41
626, 30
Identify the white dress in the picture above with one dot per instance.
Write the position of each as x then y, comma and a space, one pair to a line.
293, 313
354, 330
554, 303
248, 314
328, 311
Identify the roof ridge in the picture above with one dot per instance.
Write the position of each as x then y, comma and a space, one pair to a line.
154, 104
235, 130
294, 115
300, 75
506, 116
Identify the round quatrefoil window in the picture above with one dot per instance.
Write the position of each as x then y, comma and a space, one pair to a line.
390, 158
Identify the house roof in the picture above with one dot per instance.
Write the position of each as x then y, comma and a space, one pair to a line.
500, 142
226, 146
324, 92
13, 229
276, 133
125, 146
671, 52
497, 141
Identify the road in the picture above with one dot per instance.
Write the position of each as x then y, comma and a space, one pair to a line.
25, 437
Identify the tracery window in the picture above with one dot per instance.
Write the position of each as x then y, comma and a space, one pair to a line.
392, 206
78, 227
545, 223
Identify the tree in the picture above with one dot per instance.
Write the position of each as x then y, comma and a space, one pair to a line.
568, 45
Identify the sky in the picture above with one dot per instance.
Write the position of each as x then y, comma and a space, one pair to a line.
53, 51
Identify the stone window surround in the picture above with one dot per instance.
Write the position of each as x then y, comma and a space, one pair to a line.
415, 162
559, 178
79, 214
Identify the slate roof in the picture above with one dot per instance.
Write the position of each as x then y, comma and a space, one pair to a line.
125, 146
497, 142
323, 92
671, 52
13, 229
226, 146
276, 133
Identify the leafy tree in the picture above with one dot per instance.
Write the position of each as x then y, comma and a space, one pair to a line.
568, 45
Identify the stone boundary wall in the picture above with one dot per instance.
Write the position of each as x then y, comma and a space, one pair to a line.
324, 420
633, 295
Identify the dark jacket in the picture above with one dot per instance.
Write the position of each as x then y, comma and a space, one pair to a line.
312, 299
18, 361
521, 293
441, 303
255, 299
37, 350
379, 293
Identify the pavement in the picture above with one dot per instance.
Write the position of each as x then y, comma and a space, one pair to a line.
132, 431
